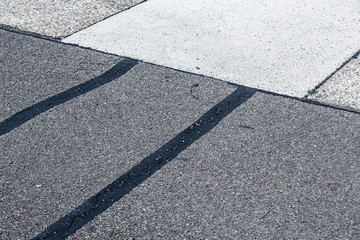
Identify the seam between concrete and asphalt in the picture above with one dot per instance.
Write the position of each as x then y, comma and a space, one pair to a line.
265, 53
303, 99
28, 33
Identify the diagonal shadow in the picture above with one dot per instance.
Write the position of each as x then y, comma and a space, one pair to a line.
112, 193
29, 113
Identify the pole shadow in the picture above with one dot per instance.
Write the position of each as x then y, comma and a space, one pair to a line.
112, 193
29, 113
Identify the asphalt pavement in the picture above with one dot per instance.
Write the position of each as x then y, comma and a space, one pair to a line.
119, 122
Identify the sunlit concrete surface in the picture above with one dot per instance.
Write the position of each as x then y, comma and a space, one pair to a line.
58, 18
284, 46
343, 89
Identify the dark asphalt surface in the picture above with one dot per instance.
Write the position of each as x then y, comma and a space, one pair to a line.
274, 167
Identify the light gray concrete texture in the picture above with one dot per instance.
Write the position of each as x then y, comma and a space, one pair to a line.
275, 168
283, 46
54, 162
58, 18
343, 89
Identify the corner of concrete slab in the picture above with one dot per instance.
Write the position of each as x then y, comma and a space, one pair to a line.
126, 9
312, 91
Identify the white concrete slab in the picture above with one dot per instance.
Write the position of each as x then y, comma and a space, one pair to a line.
342, 89
285, 46
57, 18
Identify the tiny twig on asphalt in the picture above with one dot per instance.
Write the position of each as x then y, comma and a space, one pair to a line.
192, 91
265, 214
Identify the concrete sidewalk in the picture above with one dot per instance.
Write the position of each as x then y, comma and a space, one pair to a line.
287, 47
97, 146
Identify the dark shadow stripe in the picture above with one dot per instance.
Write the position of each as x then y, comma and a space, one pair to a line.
98, 203
29, 113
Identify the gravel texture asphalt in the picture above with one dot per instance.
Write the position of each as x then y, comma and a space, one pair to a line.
59, 157
58, 18
186, 156
275, 168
